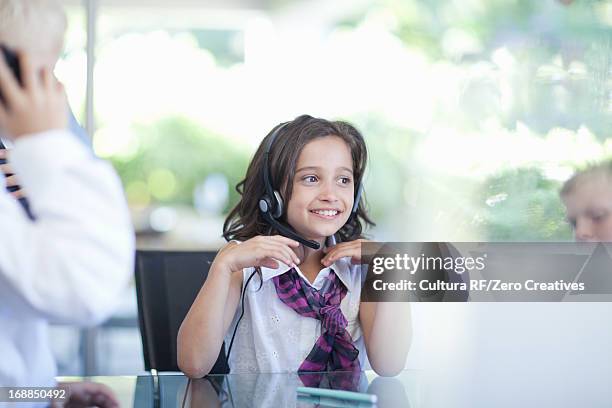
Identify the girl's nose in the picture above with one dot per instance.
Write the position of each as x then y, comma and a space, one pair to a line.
328, 192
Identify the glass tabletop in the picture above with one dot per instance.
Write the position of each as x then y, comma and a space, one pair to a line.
499, 383
259, 390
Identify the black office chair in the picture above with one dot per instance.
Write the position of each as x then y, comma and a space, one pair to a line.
167, 283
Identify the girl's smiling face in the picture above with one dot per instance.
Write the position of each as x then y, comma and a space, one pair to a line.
323, 188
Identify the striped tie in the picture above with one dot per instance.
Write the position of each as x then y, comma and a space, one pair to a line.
334, 350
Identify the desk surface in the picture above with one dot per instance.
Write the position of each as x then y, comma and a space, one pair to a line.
257, 390
495, 386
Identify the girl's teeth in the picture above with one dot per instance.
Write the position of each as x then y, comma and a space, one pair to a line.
327, 213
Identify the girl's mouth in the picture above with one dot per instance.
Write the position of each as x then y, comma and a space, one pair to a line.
327, 214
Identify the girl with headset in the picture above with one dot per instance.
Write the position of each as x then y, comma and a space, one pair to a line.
297, 233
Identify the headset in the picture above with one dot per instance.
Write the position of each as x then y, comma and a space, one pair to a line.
271, 207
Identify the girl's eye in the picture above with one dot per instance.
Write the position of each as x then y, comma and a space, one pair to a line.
345, 180
310, 179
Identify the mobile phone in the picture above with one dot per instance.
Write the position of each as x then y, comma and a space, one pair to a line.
13, 63
10, 57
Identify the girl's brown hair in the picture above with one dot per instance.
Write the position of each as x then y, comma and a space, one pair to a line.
245, 220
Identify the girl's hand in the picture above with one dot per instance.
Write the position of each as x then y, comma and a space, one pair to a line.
38, 106
352, 249
259, 251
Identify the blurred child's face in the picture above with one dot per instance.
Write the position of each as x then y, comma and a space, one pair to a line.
589, 209
323, 188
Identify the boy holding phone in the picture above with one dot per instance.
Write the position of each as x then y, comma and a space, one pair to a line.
75, 261
36, 27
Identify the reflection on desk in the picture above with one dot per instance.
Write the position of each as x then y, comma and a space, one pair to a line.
492, 381
279, 390
255, 390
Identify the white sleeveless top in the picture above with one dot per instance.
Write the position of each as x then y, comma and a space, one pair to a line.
272, 337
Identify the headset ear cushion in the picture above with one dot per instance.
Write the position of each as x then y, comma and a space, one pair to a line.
278, 208
264, 204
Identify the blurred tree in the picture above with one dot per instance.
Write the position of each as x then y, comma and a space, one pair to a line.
521, 205
562, 52
174, 155
389, 153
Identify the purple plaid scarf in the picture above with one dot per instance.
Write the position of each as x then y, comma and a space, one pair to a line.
334, 350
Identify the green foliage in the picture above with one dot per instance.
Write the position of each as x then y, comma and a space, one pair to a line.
389, 164
521, 205
174, 155
562, 48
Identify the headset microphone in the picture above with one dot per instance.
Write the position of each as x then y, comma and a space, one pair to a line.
287, 232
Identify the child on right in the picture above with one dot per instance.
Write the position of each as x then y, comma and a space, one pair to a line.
587, 197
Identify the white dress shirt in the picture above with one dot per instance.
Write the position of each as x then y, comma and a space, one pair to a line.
272, 337
69, 266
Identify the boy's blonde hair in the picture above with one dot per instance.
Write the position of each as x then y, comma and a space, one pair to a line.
35, 26
602, 170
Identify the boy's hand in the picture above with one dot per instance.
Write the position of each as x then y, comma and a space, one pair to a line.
351, 248
38, 106
259, 251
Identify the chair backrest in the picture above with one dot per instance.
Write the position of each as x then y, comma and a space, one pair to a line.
167, 283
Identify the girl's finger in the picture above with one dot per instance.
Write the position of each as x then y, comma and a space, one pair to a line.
287, 255
341, 254
286, 240
270, 263
334, 250
292, 255
294, 258
274, 251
